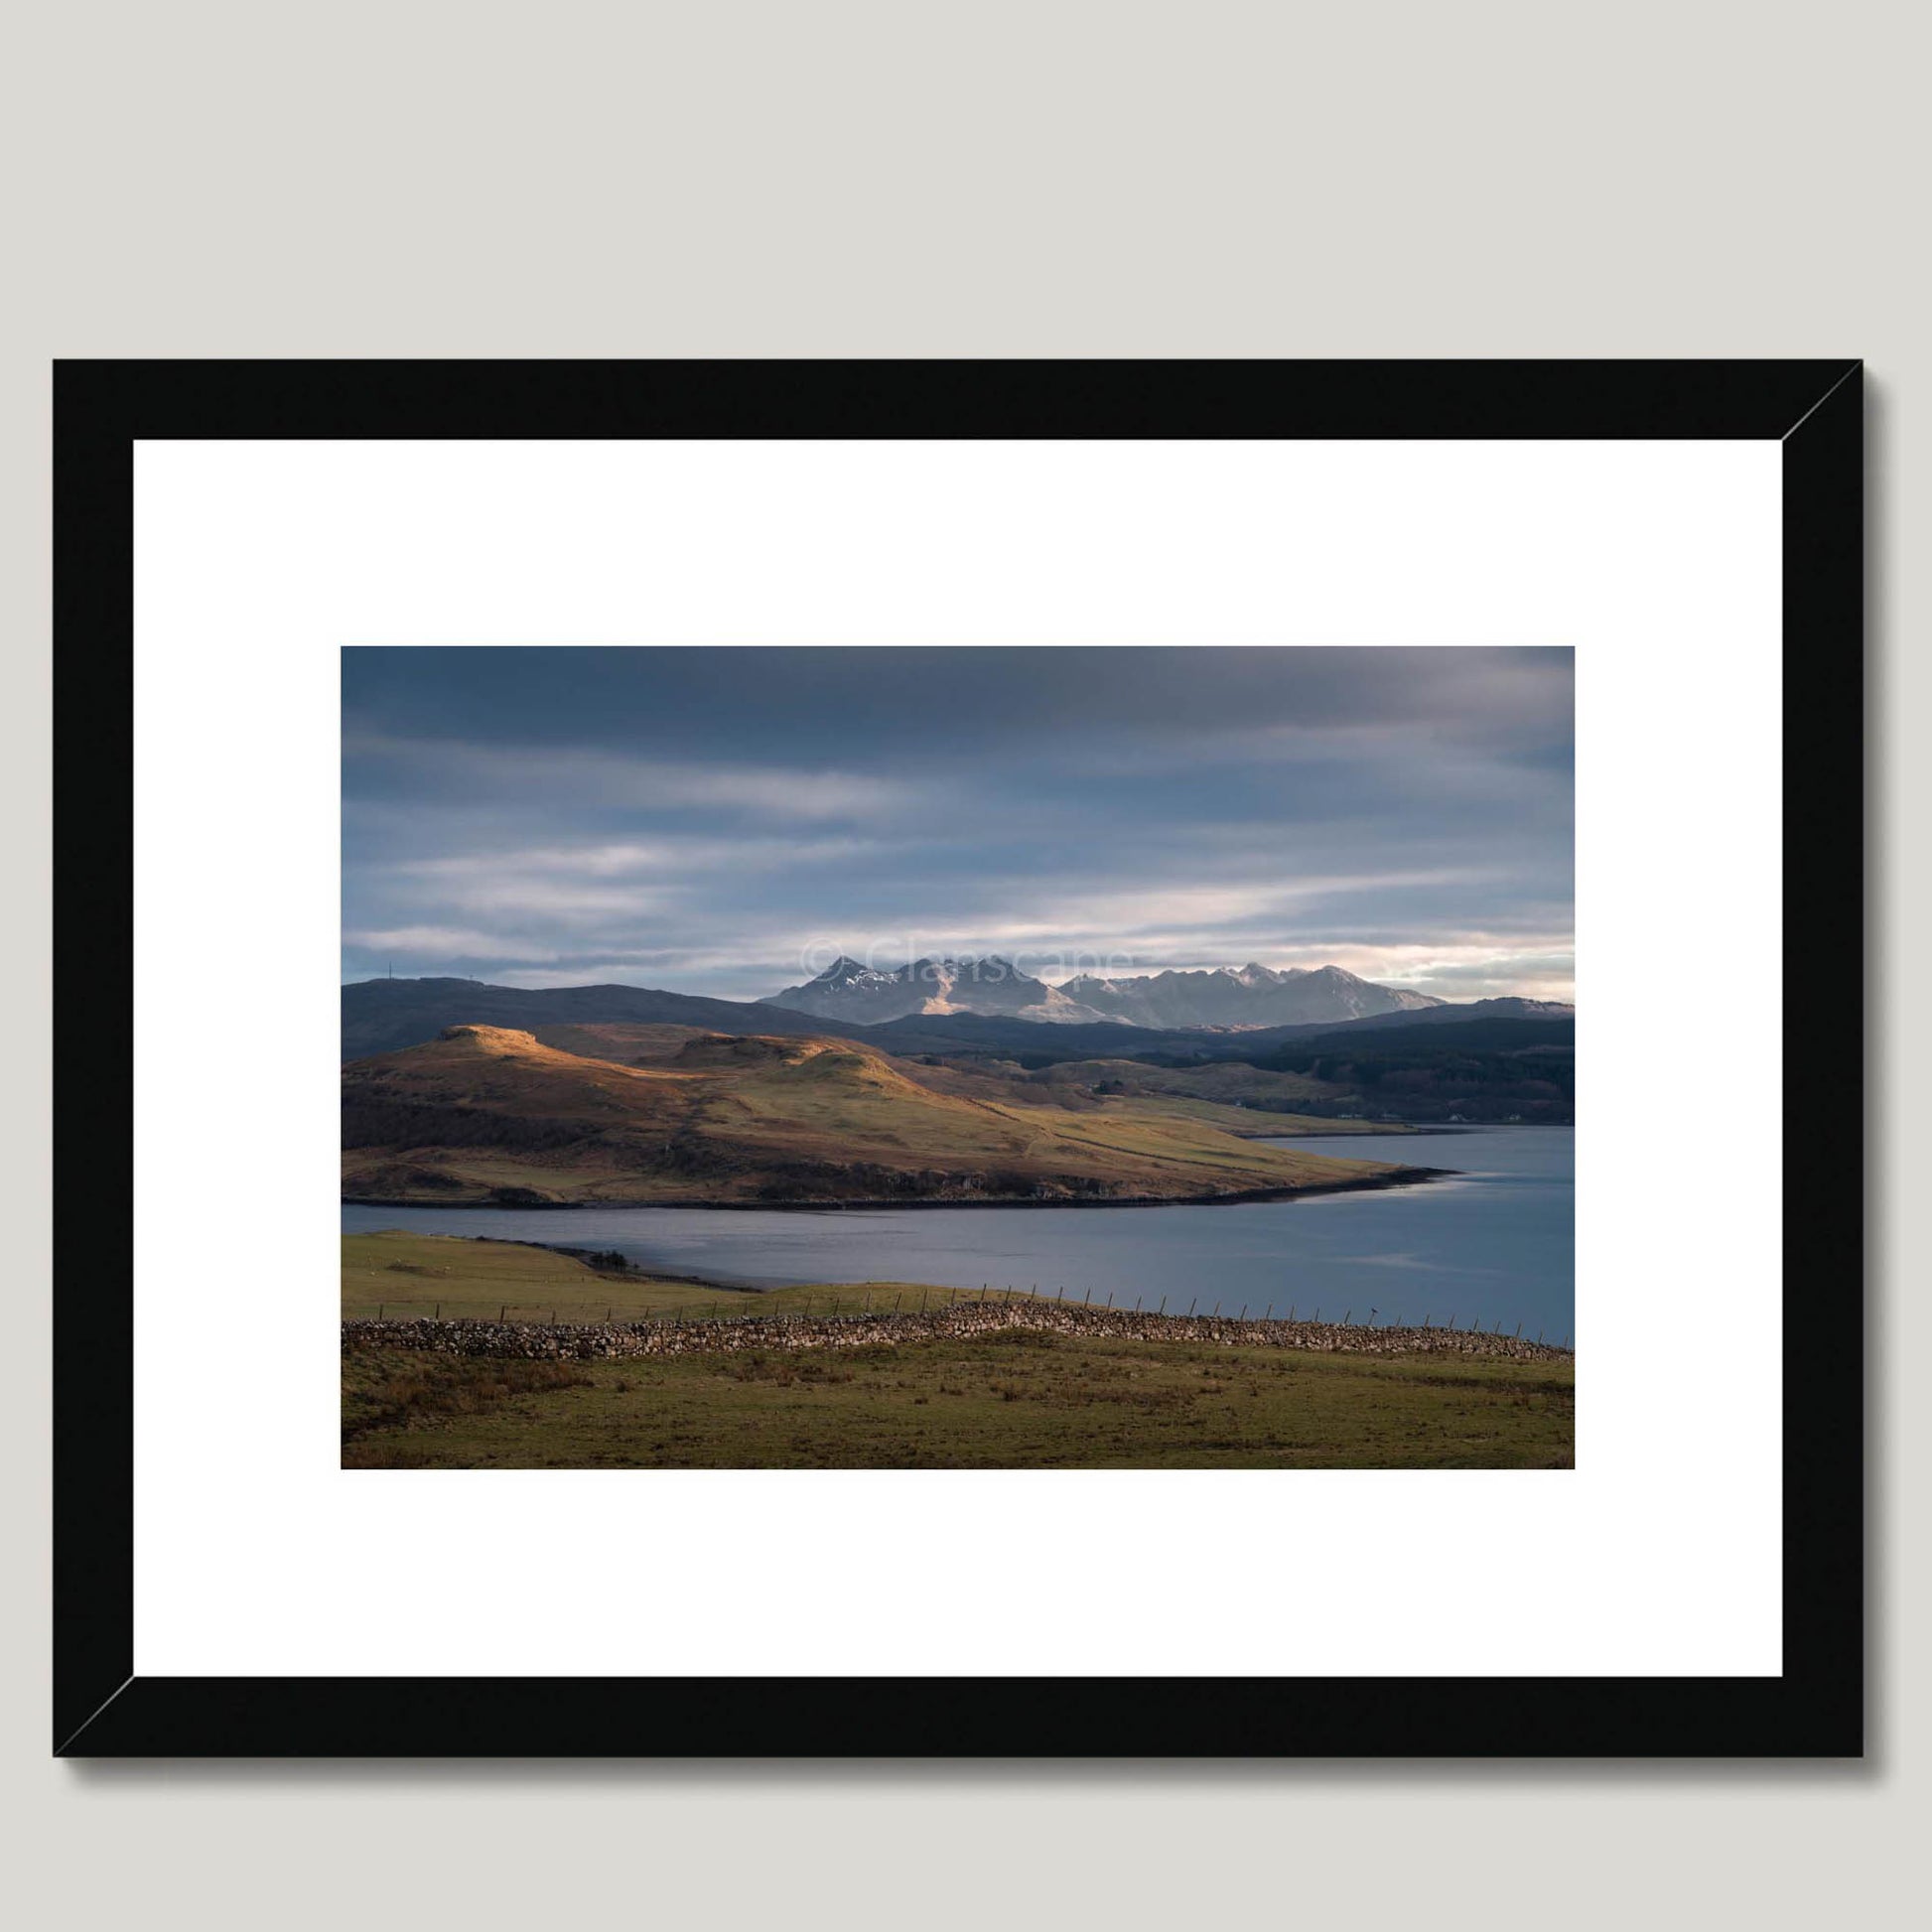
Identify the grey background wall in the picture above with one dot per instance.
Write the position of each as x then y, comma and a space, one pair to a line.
895, 180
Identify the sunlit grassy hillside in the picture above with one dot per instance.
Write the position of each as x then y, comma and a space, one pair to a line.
490, 1113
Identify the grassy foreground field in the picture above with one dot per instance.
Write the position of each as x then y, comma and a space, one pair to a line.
1010, 1400
1015, 1400
451, 1278
428, 1274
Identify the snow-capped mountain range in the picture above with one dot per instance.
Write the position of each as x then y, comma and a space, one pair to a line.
1249, 996
1252, 996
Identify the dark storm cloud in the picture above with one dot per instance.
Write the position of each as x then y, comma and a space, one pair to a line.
723, 821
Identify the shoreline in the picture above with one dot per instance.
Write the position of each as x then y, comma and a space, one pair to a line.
1369, 1184
1405, 1132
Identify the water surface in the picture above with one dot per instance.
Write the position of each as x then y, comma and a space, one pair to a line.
1495, 1242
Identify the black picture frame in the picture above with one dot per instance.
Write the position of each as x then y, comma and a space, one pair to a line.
1813, 408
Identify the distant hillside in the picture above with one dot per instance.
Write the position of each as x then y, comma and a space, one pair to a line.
1441, 1014
1034, 1046
1501, 1069
488, 1113
380, 1016
1504, 1033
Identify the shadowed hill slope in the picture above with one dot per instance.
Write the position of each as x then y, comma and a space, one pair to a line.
382, 1016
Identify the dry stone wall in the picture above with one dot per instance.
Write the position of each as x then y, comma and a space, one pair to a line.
965, 1321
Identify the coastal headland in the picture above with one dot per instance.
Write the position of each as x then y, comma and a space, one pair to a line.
672, 1116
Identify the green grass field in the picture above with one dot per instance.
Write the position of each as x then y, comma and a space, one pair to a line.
1016, 1400
1012, 1400
451, 1278
1245, 1123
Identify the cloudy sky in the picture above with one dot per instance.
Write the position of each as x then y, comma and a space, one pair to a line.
728, 821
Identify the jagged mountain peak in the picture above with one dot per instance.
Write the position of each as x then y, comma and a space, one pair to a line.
842, 969
992, 984
1222, 997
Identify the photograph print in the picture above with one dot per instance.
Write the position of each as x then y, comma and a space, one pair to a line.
957, 1058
